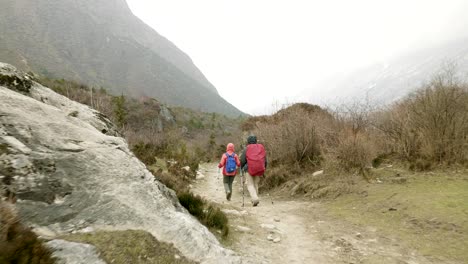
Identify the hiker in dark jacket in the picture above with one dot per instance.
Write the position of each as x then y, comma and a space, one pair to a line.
228, 177
254, 163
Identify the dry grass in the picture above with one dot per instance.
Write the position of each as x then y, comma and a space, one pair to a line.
131, 246
431, 125
18, 244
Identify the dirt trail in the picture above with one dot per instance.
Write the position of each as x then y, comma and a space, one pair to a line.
305, 233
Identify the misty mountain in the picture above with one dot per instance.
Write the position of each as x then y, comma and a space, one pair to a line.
101, 43
387, 82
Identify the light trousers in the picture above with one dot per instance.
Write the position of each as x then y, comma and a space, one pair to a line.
252, 186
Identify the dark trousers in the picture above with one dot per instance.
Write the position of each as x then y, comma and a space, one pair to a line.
227, 180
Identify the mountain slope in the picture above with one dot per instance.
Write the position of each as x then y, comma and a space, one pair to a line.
385, 83
102, 43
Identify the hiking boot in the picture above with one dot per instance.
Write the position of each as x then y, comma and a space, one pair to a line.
255, 203
228, 196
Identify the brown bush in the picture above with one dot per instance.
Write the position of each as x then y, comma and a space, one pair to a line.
18, 244
355, 152
431, 124
294, 136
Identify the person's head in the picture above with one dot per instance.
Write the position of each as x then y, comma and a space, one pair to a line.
230, 147
252, 139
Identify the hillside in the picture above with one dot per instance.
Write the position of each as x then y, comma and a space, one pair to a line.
69, 171
101, 43
384, 83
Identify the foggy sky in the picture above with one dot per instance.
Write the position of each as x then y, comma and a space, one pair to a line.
261, 52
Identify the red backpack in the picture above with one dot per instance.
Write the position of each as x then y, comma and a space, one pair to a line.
255, 156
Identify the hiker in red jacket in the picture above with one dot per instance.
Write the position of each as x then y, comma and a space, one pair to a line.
229, 162
254, 162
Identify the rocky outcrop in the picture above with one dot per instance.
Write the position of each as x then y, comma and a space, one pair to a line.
69, 170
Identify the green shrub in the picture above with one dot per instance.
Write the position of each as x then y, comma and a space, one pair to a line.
215, 218
193, 203
207, 214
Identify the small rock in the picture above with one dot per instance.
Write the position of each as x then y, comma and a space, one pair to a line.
187, 168
317, 173
270, 237
231, 212
199, 176
358, 235
243, 229
276, 219
277, 240
268, 226
87, 230
44, 232
176, 256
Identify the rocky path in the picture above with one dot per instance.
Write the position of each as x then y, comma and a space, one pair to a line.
290, 231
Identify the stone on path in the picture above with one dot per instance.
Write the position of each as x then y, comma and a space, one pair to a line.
268, 226
243, 229
317, 173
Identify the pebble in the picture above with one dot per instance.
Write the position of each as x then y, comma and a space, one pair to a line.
87, 230
243, 229
268, 226
276, 219
44, 232
317, 173
270, 238
277, 240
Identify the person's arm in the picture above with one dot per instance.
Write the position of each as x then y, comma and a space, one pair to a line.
222, 162
243, 159
238, 163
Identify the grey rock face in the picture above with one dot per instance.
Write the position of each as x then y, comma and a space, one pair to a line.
70, 172
74, 253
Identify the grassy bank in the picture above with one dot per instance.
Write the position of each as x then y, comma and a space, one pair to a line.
131, 246
425, 211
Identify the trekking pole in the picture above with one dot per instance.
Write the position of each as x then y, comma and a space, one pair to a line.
271, 199
242, 182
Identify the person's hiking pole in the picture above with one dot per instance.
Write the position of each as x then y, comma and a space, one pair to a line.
268, 194
242, 182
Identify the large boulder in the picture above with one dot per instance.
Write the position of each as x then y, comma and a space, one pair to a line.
68, 169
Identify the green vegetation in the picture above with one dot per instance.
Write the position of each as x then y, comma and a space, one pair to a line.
425, 211
18, 244
130, 246
208, 214
120, 112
